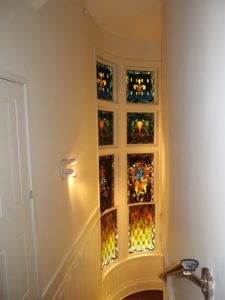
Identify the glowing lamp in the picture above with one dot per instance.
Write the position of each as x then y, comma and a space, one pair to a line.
66, 168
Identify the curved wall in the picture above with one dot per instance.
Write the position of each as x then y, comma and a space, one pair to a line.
149, 50
131, 273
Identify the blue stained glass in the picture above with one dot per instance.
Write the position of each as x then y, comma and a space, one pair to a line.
105, 127
140, 128
140, 86
104, 75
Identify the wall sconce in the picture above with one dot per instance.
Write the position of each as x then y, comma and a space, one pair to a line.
65, 168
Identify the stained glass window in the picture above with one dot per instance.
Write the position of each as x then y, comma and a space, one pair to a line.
106, 182
140, 177
141, 228
104, 74
109, 237
140, 128
140, 86
105, 127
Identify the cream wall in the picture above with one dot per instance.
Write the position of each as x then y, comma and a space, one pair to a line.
68, 51
194, 125
52, 51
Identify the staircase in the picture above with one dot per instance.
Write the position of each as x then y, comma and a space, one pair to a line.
146, 295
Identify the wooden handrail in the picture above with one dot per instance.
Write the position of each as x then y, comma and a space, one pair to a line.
185, 268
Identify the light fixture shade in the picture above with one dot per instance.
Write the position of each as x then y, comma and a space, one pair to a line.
65, 168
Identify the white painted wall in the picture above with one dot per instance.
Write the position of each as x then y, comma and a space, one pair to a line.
194, 124
52, 50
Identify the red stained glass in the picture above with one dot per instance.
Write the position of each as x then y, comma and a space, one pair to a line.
140, 177
106, 182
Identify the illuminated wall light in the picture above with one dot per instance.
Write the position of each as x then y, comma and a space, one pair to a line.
67, 169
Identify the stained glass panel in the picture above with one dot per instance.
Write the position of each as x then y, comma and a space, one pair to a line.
106, 182
105, 127
104, 74
141, 228
140, 86
140, 128
140, 177
109, 237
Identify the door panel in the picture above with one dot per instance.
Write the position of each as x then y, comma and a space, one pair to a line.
16, 260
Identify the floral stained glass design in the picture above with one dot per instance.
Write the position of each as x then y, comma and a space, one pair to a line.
109, 236
106, 182
105, 127
140, 128
141, 228
140, 177
104, 74
140, 86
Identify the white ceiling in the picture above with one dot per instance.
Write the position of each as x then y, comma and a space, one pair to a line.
128, 18
138, 20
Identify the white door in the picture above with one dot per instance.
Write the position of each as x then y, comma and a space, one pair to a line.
16, 259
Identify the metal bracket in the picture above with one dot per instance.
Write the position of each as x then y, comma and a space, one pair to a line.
207, 284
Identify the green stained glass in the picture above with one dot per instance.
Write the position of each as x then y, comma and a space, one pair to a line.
140, 128
140, 177
141, 228
105, 127
109, 237
104, 74
106, 182
140, 86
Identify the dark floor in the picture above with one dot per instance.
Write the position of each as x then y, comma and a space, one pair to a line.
146, 295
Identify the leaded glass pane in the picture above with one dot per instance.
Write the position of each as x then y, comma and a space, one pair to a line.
104, 74
140, 86
141, 228
109, 237
140, 128
105, 127
106, 182
140, 177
